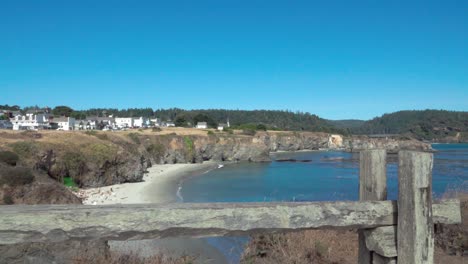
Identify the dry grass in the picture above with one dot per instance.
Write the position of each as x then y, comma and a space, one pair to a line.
131, 259
311, 246
336, 246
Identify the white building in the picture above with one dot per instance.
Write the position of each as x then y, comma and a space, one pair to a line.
168, 124
222, 126
124, 122
31, 121
155, 122
80, 124
202, 125
95, 122
65, 123
141, 122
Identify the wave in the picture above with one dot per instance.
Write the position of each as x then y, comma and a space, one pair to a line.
179, 194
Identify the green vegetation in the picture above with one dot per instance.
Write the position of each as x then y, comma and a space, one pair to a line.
16, 176
10, 108
210, 133
7, 199
74, 163
189, 148
25, 149
134, 137
91, 132
156, 150
9, 158
156, 129
181, 121
427, 124
99, 153
69, 182
62, 110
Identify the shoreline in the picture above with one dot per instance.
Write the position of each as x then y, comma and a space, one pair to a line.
160, 185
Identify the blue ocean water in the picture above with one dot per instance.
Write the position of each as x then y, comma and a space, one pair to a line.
322, 176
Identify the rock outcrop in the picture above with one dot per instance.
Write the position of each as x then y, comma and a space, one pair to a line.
99, 159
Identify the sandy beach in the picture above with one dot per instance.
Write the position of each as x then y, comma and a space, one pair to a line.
159, 185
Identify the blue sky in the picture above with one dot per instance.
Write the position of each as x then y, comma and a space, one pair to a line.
337, 59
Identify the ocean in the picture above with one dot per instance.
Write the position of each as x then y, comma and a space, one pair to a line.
313, 176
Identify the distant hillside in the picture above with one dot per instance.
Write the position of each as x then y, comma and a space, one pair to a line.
434, 125
280, 120
346, 124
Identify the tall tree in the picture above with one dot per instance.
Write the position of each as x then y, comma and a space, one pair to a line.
62, 110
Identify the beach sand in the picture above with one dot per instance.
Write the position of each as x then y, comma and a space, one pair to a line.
159, 185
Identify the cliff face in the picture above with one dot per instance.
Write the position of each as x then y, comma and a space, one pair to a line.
98, 159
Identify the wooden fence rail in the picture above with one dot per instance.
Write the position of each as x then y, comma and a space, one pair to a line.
390, 231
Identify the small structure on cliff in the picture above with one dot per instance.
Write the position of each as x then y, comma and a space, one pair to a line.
202, 125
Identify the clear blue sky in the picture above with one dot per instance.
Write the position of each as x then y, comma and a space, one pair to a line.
337, 59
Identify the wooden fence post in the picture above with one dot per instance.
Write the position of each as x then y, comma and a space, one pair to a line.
372, 186
415, 225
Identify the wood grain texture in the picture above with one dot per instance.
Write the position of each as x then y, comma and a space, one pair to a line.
23, 223
372, 187
415, 223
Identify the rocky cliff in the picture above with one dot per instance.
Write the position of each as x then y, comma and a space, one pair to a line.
97, 158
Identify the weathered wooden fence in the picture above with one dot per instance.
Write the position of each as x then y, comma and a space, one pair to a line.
389, 230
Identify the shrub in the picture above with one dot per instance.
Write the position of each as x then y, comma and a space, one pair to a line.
102, 136
16, 176
69, 182
261, 127
156, 150
156, 129
134, 137
189, 148
25, 148
99, 153
74, 163
210, 133
7, 199
91, 132
31, 134
9, 157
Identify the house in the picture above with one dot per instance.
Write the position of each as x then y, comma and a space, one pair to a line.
168, 123
222, 126
80, 124
124, 122
64, 123
155, 122
100, 123
202, 125
141, 122
33, 120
